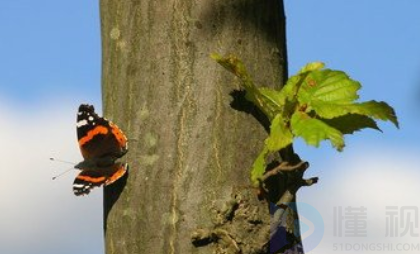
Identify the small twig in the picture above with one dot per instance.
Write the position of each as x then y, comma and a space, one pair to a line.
285, 167
309, 182
285, 199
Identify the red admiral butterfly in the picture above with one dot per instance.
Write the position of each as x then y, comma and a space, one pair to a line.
102, 143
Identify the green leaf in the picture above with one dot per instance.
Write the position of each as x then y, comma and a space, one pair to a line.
234, 65
288, 94
373, 109
332, 94
266, 99
290, 89
350, 123
328, 86
313, 131
377, 110
258, 168
231, 63
280, 135
312, 67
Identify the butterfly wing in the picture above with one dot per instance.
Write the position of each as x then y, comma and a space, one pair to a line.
91, 178
97, 136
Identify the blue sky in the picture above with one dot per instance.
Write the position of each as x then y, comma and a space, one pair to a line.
50, 63
50, 50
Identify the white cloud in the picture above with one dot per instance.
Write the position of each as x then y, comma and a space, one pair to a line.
373, 177
39, 215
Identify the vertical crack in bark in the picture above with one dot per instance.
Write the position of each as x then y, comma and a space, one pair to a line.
182, 78
178, 173
215, 135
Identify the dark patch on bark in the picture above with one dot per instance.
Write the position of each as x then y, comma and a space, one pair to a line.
240, 103
113, 193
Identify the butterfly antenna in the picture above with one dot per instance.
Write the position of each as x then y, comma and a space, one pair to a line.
65, 172
57, 160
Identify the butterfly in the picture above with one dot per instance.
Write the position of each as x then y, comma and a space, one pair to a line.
102, 144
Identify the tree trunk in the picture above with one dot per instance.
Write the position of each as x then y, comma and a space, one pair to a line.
192, 139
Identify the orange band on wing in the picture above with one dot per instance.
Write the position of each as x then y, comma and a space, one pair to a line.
92, 133
116, 176
121, 138
91, 179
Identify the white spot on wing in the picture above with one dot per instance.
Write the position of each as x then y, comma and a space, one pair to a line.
81, 123
90, 118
